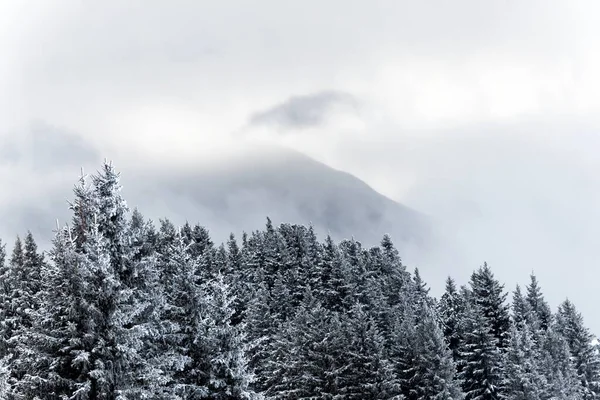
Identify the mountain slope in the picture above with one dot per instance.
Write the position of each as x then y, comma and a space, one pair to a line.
239, 191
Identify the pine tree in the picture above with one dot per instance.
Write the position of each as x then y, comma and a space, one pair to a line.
229, 376
557, 367
422, 358
5, 297
396, 276
480, 366
67, 363
585, 358
524, 377
307, 356
4, 377
488, 294
27, 299
182, 351
261, 334
537, 304
521, 309
420, 285
450, 308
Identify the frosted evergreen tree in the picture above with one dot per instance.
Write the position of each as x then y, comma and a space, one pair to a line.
68, 363
308, 356
5, 389
332, 287
182, 349
450, 307
229, 376
524, 376
569, 324
137, 315
239, 279
422, 358
557, 366
396, 276
369, 373
420, 285
112, 215
5, 298
521, 314
480, 366
538, 306
261, 332
27, 298
489, 295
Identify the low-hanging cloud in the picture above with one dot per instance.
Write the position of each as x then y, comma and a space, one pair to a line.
45, 146
303, 111
445, 89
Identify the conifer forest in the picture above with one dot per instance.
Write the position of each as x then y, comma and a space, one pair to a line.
122, 307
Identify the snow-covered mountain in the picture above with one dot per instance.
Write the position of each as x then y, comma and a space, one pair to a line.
233, 191
240, 190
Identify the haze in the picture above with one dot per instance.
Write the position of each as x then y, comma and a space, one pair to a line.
483, 115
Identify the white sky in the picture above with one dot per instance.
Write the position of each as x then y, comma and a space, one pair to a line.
482, 114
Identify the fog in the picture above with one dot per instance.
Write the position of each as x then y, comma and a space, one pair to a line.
483, 116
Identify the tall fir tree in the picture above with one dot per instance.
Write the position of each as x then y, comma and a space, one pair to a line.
450, 308
524, 376
481, 369
489, 296
229, 374
537, 304
583, 352
422, 358
521, 313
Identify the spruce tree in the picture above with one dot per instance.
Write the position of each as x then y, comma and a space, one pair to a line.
307, 356
229, 375
27, 299
480, 365
521, 314
182, 349
524, 377
490, 298
557, 366
5, 389
538, 306
584, 355
450, 308
422, 358
368, 373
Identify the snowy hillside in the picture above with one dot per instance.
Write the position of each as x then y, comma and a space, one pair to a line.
239, 191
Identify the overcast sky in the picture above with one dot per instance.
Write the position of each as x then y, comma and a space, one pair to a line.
485, 115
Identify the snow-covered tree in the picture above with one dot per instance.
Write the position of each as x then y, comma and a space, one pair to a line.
569, 323
538, 305
490, 298
422, 358
229, 374
480, 365
525, 379
521, 313
450, 308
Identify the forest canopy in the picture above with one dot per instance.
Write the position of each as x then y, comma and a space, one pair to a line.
126, 308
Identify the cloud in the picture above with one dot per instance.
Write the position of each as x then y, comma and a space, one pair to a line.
303, 111
483, 115
45, 147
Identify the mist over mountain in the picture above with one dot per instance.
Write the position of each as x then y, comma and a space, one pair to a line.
239, 191
235, 192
